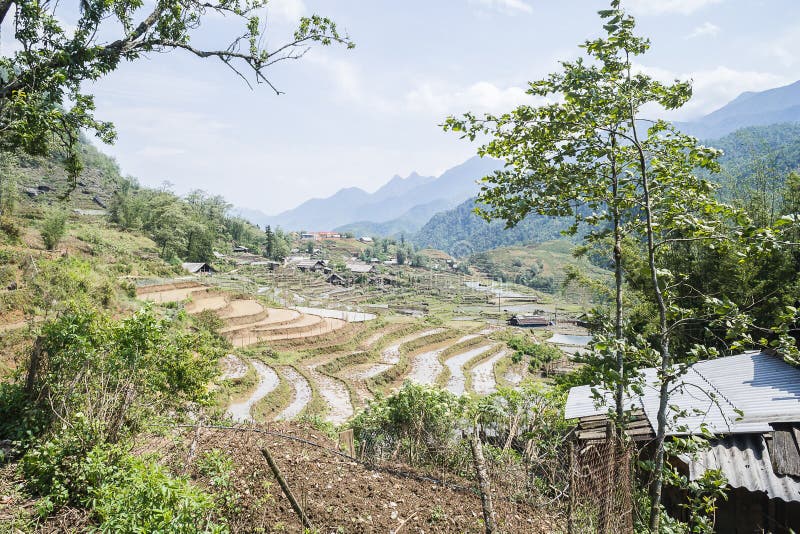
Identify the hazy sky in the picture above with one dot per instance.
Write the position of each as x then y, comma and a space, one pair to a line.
357, 117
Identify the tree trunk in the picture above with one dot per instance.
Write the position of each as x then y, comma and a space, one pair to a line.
483, 481
33, 366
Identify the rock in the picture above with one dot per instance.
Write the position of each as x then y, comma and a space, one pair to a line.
31, 192
97, 200
44, 188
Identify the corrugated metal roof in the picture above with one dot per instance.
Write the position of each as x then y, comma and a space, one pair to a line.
568, 339
764, 388
745, 462
192, 267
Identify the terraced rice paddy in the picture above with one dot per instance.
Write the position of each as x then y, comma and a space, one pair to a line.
268, 381
332, 362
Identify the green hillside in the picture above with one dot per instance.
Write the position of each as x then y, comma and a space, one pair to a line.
460, 232
541, 266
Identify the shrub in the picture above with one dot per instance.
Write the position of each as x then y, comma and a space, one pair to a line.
124, 493
53, 228
539, 353
418, 423
10, 228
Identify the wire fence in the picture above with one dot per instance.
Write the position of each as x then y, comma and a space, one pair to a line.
359, 492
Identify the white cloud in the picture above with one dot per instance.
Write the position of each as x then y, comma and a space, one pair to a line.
441, 99
713, 88
784, 47
660, 7
505, 6
287, 9
707, 28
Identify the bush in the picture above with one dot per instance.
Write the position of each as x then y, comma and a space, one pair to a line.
123, 371
53, 228
539, 353
124, 493
10, 229
417, 423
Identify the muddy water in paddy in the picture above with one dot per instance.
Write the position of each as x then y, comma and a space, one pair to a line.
426, 366
302, 394
457, 382
335, 393
483, 381
268, 381
390, 356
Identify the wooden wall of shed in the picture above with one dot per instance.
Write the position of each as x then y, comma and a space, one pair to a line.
744, 512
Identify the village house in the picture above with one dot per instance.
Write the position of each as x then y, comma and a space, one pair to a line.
311, 265
336, 280
750, 403
198, 268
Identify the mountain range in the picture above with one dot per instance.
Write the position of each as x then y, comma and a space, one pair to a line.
436, 210
772, 106
404, 203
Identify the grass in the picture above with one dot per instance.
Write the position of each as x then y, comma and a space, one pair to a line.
234, 390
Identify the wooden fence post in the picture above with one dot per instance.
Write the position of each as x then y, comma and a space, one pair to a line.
286, 490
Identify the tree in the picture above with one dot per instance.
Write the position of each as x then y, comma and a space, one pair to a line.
53, 228
43, 102
589, 154
269, 248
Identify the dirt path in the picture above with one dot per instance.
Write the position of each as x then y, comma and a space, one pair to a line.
267, 383
483, 381
457, 382
302, 394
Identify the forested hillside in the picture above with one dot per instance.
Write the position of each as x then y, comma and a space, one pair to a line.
460, 232
184, 228
756, 161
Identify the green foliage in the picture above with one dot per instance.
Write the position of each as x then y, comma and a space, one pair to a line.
186, 228
417, 423
42, 84
123, 493
538, 354
460, 232
117, 373
54, 226
218, 467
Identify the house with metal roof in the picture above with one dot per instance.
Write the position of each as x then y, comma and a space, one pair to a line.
198, 268
750, 403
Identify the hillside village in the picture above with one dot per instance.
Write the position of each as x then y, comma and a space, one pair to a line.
589, 326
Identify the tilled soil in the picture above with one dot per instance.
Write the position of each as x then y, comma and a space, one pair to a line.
341, 495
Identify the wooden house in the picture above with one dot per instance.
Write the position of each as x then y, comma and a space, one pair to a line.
198, 268
749, 403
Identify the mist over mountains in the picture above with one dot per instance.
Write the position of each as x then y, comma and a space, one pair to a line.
411, 200
436, 211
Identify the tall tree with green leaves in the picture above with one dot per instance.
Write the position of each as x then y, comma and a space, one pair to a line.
588, 152
44, 104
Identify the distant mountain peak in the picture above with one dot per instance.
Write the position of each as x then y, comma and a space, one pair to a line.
751, 108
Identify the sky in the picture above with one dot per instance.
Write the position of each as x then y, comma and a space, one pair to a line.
357, 117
